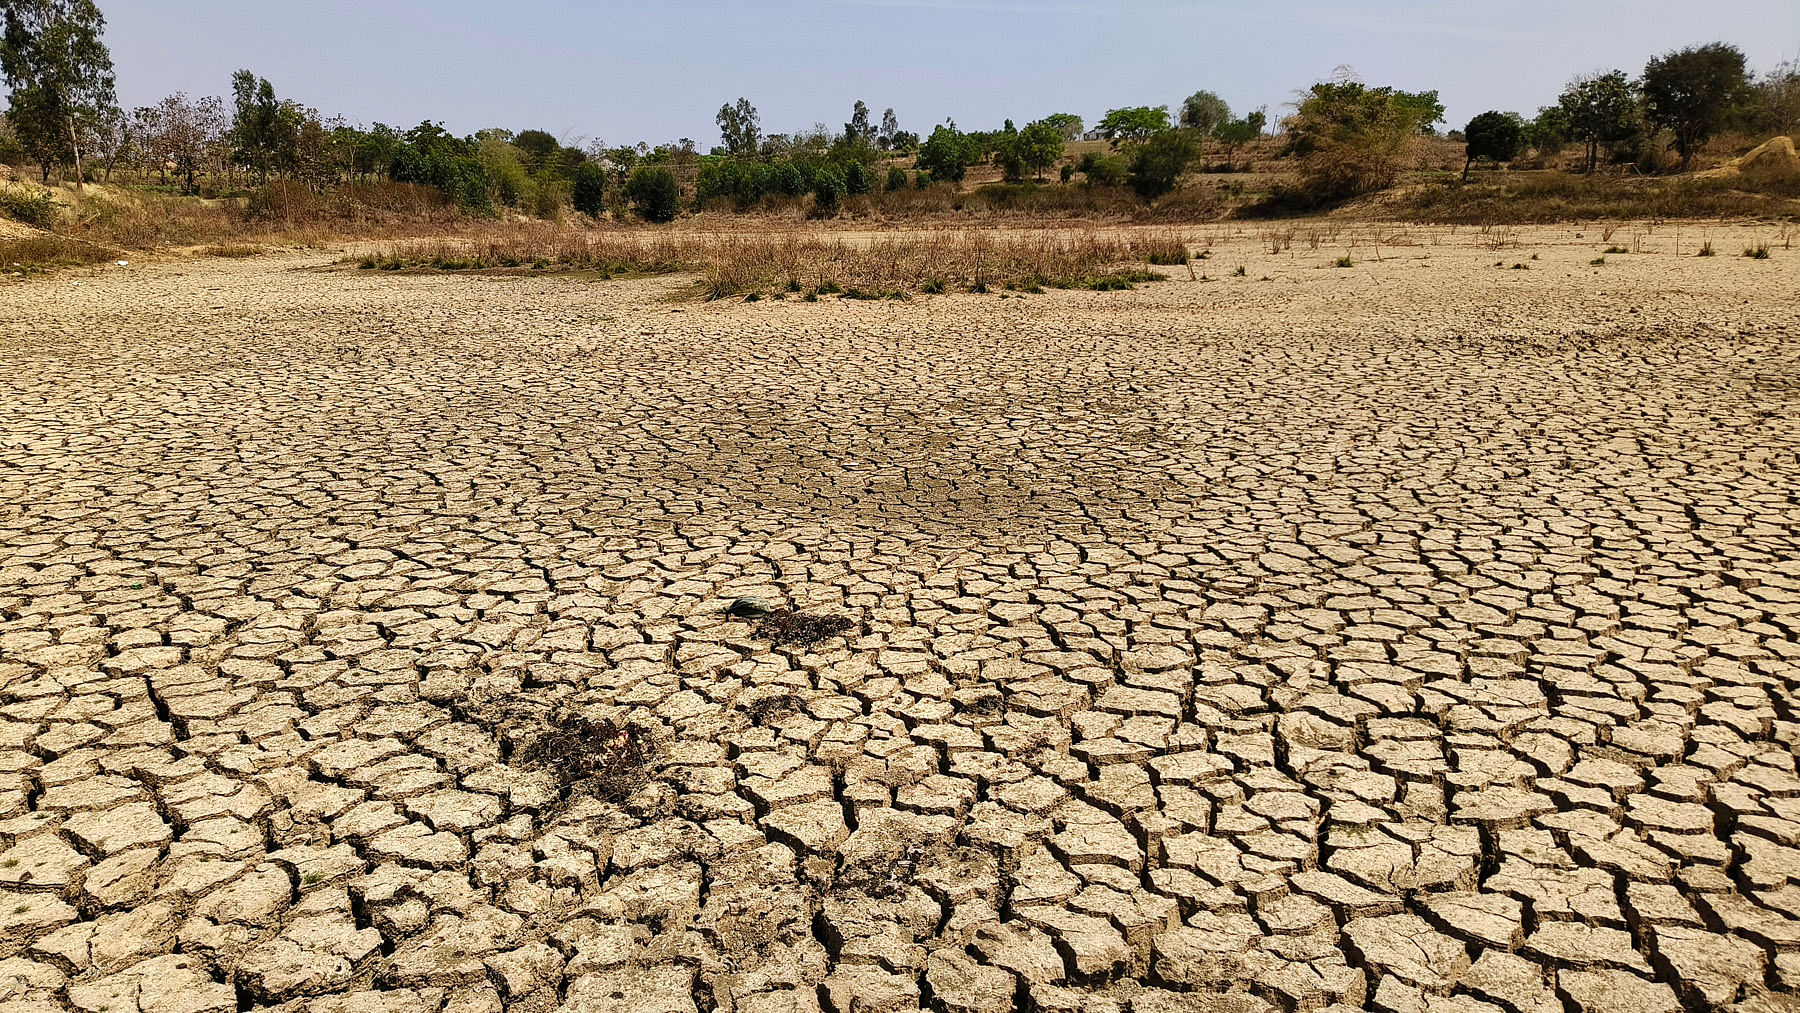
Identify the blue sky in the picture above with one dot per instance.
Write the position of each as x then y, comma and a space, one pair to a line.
659, 69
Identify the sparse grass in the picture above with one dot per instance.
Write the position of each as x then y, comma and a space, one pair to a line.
1615, 249
1706, 248
1758, 252
1597, 262
1344, 261
231, 250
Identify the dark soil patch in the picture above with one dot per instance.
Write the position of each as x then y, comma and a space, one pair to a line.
788, 627
602, 757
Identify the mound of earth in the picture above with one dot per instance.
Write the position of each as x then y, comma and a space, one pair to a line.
1773, 157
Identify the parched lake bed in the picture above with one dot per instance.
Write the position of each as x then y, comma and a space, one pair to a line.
1420, 636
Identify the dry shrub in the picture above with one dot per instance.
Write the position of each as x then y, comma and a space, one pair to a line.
1556, 197
602, 757
294, 205
31, 254
798, 629
149, 220
740, 264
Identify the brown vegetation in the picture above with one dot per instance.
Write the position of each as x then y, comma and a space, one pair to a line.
806, 264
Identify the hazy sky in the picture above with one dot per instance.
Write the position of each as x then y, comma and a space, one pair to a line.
659, 69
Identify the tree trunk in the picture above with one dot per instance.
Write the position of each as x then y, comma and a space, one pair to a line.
76, 145
1466, 163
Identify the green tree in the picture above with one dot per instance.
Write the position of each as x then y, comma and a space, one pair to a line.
1602, 109
537, 149
1494, 135
588, 193
1134, 124
1549, 131
1204, 111
1103, 170
948, 153
1693, 92
1422, 106
857, 179
1157, 164
1067, 124
1350, 138
60, 75
828, 191
890, 125
740, 129
856, 132
255, 122
1234, 134
1038, 146
654, 194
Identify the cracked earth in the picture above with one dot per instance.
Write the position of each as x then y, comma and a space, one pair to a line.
1421, 637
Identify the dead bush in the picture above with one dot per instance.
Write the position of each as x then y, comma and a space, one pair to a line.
602, 757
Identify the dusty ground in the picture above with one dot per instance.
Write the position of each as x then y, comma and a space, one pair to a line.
1419, 636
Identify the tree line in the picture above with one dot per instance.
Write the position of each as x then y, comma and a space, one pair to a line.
1344, 136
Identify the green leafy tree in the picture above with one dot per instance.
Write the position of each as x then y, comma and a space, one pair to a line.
1234, 134
653, 193
740, 128
1157, 164
1038, 146
890, 125
948, 153
1350, 138
60, 76
1423, 106
1134, 124
1549, 130
857, 179
1067, 124
1602, 110
537, 149
255, 123
1103, 170
828, 191
588, 193
1492, 135
896, 179
1204, 111
1692, 93
856, 132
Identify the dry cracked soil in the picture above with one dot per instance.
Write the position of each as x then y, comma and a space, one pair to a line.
1421, 636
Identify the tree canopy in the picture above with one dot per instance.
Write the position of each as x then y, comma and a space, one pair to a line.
740, 129
1692, 92
1204, 111
1601, 109
1492, 135
948, 153
1133, 124
60, 75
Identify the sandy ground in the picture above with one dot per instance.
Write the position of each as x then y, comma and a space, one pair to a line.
1421, 636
